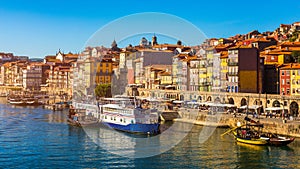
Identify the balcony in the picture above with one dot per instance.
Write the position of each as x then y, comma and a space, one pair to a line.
204, 83
210, 64
202, 66
232, 63
233, 73
195, 66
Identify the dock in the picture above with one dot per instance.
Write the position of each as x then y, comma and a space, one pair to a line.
271, 125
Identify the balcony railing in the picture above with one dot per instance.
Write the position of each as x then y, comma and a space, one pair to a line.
210, 64
202, 66
204, 83
232, 63
233, 73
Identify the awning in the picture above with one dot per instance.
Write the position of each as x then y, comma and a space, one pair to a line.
274, 108
178, 101
250, 107
170, 86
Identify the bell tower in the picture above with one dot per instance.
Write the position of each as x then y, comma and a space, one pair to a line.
154, 40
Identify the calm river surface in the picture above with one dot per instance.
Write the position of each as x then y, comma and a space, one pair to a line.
32, 137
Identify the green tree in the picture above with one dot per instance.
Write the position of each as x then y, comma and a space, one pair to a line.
294, 36
296, 56
103, 90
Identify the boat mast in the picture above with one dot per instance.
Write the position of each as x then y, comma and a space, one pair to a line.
134, 97
247, 109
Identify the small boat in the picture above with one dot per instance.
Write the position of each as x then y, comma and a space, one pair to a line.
79, 118
249, 133
249, 136
277, 140
15, 101
30, 101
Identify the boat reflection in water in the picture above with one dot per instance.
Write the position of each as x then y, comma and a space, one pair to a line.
137, 145
251, 146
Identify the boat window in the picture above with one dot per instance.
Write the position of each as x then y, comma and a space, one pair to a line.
131, 121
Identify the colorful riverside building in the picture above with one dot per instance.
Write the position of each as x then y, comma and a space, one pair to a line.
104, 69
276, 57
194, 67
209, 68
244, 69
290, 79
179, 71
154, 75
203, 85
224, 71
166, 78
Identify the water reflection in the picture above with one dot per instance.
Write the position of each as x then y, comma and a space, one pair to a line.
39, 138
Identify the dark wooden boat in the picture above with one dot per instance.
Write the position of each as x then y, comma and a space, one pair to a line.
277, 140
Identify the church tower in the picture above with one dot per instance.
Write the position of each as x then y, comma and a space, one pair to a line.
154, 40
114, 46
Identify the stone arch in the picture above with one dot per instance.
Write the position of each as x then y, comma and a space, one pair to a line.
276, 103
230, 100
199, 98
181, 97
243, 102
209, 98
217, 99
257, 102
294, 108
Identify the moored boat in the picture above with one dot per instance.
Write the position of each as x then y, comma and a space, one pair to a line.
123, 114
251, 133
277, 140
249, 136
15, 101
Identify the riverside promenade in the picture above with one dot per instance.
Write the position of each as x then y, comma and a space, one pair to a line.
271, 125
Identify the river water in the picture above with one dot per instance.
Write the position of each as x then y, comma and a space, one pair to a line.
32, 137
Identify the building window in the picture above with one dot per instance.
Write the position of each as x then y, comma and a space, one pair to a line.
287, 91
288, 81
282, 82
282, 72
287, 72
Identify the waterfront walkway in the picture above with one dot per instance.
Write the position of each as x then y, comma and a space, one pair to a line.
273, 125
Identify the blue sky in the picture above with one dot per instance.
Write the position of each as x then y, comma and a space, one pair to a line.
39, 28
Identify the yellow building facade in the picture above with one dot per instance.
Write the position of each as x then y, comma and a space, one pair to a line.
295, 80
104, 71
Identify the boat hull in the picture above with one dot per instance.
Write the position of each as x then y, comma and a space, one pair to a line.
280, 142
135, 128
252, 141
